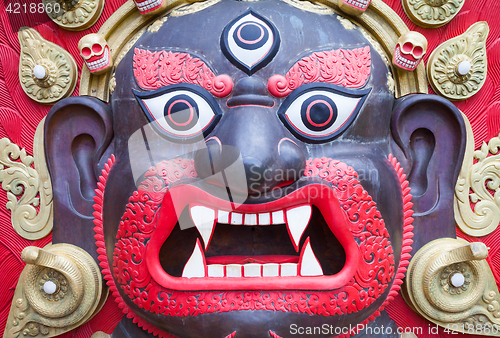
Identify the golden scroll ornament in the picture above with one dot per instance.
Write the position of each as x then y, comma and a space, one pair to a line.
27, 188
478, 183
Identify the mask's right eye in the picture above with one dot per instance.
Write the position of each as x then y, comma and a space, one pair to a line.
180, 111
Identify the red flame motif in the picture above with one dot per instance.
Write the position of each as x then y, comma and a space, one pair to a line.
153, 70
348, 68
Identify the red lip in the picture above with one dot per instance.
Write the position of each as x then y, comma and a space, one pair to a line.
318, 195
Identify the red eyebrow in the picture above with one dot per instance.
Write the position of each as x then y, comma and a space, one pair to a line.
346, 67
153, 70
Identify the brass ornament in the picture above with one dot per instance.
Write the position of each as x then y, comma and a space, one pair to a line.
74, 15
457, 68
155, 27
193, 8
483, 179
450, 283
27, 188
379, 20
100, 334
432, 13
47, 72
347, 24
59, 289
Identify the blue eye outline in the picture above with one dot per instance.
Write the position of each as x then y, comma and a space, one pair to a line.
302, 92
181, 89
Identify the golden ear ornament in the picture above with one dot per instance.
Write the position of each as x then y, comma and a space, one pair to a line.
450, 283
59, 289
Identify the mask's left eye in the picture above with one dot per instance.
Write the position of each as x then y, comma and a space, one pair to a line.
180, 111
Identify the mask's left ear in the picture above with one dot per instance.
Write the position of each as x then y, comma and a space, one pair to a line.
78, 135
429, 138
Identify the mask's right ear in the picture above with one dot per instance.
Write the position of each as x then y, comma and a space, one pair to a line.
428, 139
78, 141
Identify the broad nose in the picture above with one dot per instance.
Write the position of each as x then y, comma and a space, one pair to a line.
251, 138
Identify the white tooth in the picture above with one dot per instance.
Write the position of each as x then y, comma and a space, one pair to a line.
195, 266
288, 269
264, 219
204, 220
251, 219
236, 218
296, 221
278, 217
270, 270
223, 217
216, 270
309, 265
251, 270
233, 270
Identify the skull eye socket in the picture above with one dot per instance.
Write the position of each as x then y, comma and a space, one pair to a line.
180, 111
86, 52
407, 47
418, 51
317, 113
97, 48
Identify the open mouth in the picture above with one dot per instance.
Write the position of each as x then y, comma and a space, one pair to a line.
403, 61
100, 63
359, 4
237, 243
148, 5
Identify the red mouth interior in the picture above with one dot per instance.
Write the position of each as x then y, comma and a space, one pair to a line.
242, 244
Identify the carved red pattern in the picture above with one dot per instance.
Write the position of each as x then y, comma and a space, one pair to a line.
273, 335
344, 67
231, 335
153, 70
139, 221
406, 247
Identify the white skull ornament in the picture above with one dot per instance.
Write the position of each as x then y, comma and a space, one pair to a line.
410, 50
354, 7
150, 6
95, 52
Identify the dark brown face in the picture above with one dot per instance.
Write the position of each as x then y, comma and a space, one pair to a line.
256, 189
252, 188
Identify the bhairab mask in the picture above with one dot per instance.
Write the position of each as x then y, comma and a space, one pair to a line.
253, 184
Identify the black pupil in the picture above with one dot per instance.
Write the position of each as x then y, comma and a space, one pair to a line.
320, 113
251, 32
180, 112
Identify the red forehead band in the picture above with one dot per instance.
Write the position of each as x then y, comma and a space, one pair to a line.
153, 70
345, 67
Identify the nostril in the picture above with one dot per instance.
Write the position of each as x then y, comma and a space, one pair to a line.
254, 171
250, 91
